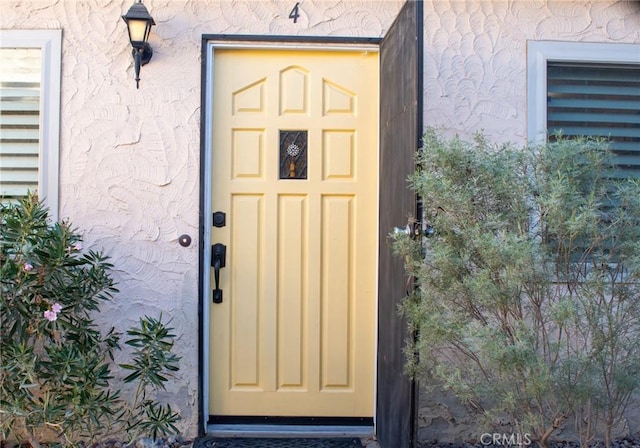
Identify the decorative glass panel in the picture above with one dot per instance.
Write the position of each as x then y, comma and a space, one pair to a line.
293, 154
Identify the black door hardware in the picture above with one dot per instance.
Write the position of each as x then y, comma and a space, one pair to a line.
218, 261
219, 219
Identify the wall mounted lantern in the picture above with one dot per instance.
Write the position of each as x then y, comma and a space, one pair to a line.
139, 23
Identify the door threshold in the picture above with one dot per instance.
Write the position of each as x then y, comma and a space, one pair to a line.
271, 431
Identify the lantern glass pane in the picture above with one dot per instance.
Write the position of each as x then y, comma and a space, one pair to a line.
137, 31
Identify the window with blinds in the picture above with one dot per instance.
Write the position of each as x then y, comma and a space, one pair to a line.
30, 75
20, 72
596, 99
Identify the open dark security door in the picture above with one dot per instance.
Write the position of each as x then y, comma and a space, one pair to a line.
400, 133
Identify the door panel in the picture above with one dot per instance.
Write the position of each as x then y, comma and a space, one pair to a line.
400, 133
295, 165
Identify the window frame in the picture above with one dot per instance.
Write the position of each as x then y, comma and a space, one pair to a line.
50, 44
540, 52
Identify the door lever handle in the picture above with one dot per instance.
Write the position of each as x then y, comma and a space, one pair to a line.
218, 261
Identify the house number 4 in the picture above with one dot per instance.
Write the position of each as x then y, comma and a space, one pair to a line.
295, 13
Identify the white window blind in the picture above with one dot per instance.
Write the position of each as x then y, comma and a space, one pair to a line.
30, 73
597, 100
19, 121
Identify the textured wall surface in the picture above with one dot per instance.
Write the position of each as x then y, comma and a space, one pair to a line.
130, 162
476, 55
130, 159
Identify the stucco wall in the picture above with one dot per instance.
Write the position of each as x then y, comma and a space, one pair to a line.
476, 54
130, 159
129, 174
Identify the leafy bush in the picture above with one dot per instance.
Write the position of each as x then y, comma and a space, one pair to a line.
55, 364
153, 362
526, 299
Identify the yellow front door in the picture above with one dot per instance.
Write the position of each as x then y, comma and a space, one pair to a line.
295, 166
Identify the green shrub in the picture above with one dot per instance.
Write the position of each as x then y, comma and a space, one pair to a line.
153, 363
526, 299
55, 363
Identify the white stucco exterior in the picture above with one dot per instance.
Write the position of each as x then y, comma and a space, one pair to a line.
475, 55
130, 159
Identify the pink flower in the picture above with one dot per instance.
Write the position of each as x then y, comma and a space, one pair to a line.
27, 267
77, 246
52, 314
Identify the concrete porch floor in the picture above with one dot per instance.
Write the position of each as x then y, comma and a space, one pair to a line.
370, 443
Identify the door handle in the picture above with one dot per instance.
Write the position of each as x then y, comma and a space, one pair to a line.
218, 261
